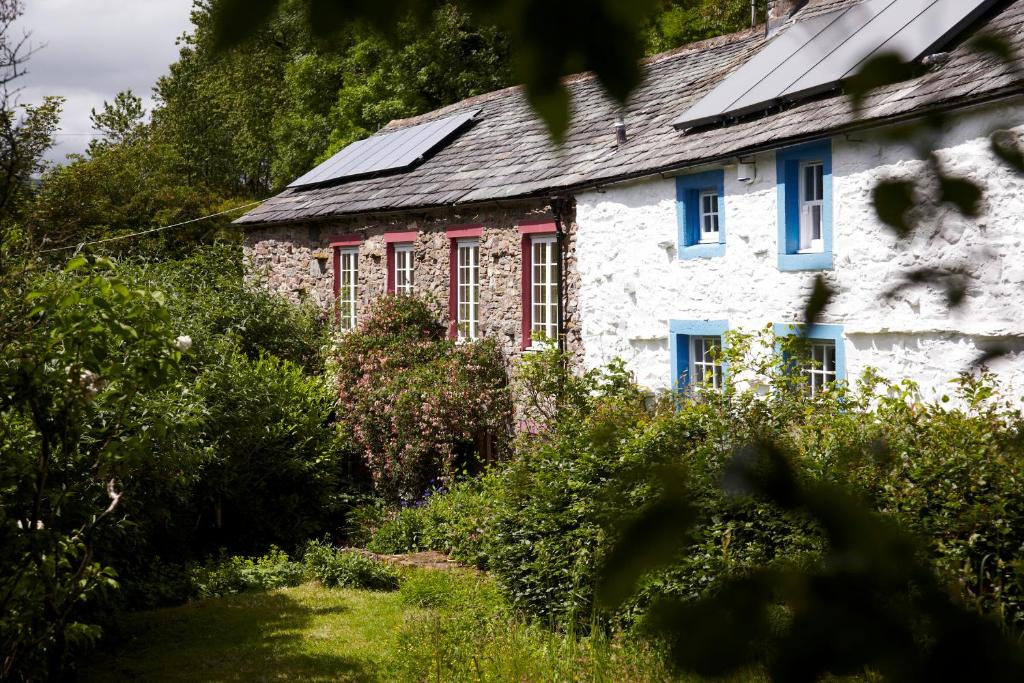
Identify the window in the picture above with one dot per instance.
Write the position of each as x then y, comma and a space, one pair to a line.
402, 268
706, 361
544, 299
825, 360
812, 204
805, 207
700, 203
540, 282
709, 217
400, 261
348, 287
696, 353
468, 288
821, 371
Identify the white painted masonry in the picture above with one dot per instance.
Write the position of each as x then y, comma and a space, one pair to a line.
632, 284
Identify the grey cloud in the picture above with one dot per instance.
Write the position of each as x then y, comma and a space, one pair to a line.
91, 49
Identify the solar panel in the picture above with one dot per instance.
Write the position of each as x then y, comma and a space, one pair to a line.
816, 54
387, 151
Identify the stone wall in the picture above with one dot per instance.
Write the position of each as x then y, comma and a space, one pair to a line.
295, 261
633, 284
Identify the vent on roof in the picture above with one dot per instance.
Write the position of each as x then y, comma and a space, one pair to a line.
816, 54
387, 151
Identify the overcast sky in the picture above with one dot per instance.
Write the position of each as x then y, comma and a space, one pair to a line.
91, 49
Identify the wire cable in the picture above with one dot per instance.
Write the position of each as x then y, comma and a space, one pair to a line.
79, 247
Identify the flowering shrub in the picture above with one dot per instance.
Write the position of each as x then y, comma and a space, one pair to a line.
420, 407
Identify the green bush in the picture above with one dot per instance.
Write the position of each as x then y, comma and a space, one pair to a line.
276, 469
404, 531
230, 575
948, 473
343, 568
454, 522
82, 353
211, 300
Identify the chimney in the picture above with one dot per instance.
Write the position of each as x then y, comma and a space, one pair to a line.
781, 10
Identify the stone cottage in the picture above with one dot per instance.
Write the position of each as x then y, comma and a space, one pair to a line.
735, 175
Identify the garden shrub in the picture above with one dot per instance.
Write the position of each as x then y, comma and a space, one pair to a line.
420, 407
344, 568
81, 353
212, 301
403, 531
276, 471
228, 575
949, 473
454, 522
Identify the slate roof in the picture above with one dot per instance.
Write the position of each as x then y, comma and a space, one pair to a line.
508, 153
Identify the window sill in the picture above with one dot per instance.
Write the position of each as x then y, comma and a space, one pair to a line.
697, 251
821, 260
538, 347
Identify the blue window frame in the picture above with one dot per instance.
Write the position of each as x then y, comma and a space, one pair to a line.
805, 206
700, 206
826, 345
682, 334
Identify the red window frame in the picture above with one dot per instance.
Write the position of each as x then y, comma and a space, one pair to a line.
527, 230
390, 240
454, 233
337, 242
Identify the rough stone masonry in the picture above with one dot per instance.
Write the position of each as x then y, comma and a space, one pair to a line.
295, 261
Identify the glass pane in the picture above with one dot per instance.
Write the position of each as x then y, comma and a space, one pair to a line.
816, 222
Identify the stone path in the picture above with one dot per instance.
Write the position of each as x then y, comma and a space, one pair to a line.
428, 559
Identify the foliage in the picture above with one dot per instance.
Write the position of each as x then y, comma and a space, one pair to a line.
214, 303
548, 41
130, 181
261, 429
230, 575
403, 531
118, 123
271, 449
871, 603
342, 568
421, 407
141, 428
23, 141
249, 120
469, 634
455, 522
679, 22
546, 535
947, 474
80, 351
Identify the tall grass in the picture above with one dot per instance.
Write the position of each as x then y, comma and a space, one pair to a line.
469, 634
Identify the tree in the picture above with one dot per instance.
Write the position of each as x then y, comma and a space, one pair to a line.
548, 39
72, 426
678, 22
118, 123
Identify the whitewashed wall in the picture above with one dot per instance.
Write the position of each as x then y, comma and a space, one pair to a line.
632, 284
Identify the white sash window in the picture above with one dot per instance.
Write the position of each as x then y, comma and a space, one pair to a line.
468, 287
348, 287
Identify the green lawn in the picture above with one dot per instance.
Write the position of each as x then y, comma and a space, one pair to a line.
307, 633
444, 626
